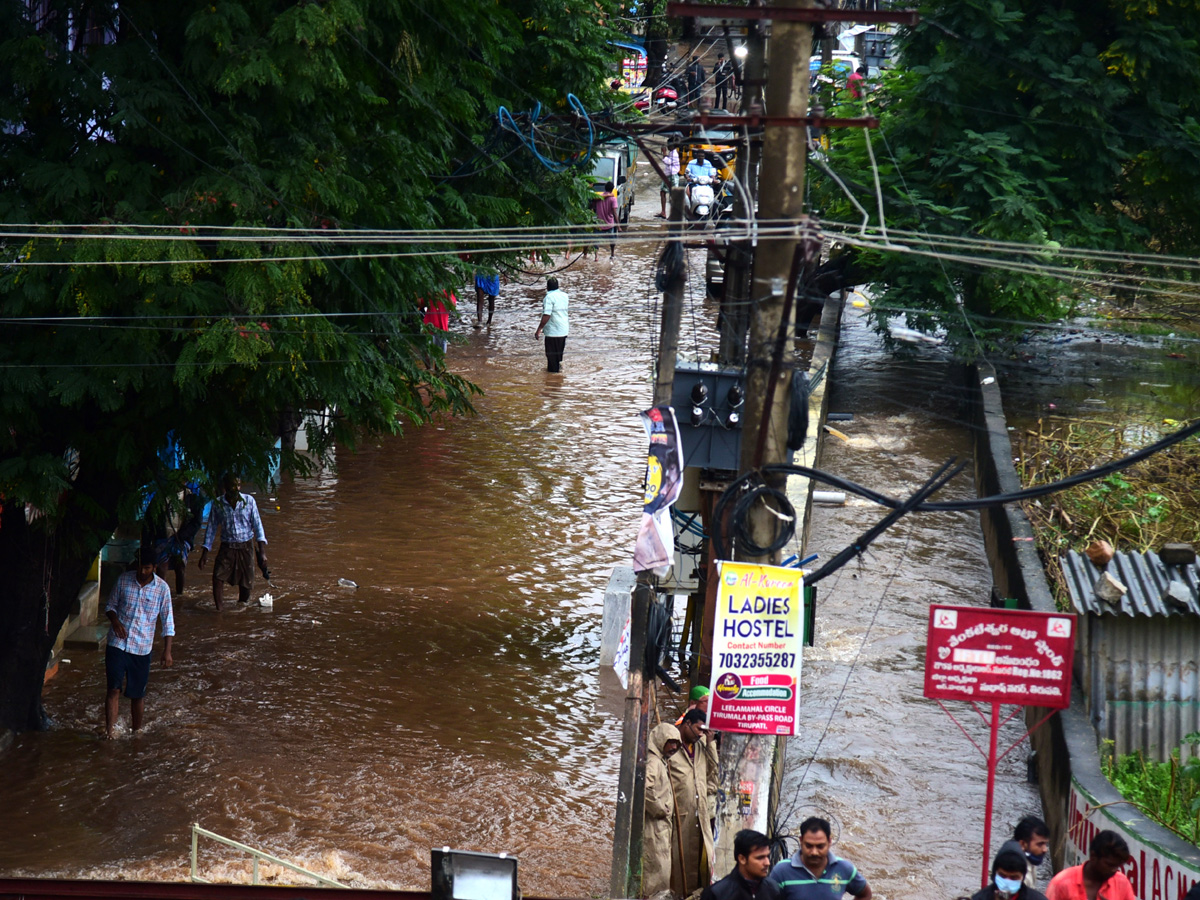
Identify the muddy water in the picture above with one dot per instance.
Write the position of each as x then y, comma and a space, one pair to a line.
903, 787
1127, 381
450, 699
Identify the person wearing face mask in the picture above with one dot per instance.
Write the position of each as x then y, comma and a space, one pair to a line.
1008, 879
1032, 838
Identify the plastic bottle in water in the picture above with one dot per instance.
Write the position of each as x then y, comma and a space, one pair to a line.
346, 583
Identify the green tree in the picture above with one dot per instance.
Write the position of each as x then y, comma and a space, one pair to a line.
1065, 125
174, 122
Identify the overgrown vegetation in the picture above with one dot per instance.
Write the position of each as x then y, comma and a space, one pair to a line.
1138, 509
1168, 792
1066, 128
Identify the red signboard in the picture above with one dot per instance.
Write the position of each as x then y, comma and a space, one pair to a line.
999, 656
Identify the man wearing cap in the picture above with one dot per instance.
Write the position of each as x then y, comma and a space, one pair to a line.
138, 599
697, 699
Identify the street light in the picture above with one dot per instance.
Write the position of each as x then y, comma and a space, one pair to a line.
464, 875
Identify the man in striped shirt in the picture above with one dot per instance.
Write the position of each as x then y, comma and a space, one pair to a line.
236, 514
814, 873
138, 600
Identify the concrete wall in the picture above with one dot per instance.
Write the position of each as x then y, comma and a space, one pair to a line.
1076, 797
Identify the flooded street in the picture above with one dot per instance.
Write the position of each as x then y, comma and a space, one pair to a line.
450, 699
1092, 376
902, 786
1126, 381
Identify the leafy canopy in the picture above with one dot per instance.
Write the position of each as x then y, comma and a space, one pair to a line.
190, 116
1066, 125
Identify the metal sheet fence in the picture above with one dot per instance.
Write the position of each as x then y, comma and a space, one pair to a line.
1146, 670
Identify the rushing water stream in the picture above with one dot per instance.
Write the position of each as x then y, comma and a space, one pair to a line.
902, 785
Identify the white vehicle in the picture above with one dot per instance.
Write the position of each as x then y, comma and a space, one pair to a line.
700, 198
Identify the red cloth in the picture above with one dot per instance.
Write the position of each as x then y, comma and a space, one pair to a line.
854, 84
1068, 885
436, 313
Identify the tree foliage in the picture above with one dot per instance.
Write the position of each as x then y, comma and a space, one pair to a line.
165, 121
1066, 125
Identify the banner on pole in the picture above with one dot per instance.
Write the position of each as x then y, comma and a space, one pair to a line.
757, 645
654, 550
999, 656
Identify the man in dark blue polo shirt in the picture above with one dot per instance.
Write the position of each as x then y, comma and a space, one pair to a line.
814, 873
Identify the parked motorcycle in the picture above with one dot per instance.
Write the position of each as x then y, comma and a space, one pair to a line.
666, 97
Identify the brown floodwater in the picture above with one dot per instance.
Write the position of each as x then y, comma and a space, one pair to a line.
903, 787
451, 699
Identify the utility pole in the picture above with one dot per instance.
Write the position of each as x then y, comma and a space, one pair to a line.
735, 305
748, 761
626, 877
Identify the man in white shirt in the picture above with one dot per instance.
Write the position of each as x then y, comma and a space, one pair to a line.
554, 324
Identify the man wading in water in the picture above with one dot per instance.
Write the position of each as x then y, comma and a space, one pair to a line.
236, 514
138, 600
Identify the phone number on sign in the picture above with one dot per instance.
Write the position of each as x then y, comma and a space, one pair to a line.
756, 660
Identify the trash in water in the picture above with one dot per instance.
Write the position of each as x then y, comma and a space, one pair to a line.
266, 600
347, 583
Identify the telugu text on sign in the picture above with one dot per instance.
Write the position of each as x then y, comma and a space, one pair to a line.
756, 649
999, 656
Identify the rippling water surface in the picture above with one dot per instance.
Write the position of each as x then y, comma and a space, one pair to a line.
903, 787
450, 699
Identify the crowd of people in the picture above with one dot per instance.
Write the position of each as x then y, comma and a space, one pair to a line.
682, 780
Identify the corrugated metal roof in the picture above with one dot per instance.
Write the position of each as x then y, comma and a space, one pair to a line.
1143, 573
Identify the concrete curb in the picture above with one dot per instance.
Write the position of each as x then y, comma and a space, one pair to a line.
1067, 748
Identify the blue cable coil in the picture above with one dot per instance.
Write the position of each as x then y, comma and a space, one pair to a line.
508, 123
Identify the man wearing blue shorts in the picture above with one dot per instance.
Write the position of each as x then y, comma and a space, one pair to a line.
487, 287
814, 873
138, 600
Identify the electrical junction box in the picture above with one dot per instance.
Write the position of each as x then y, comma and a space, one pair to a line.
873, 48
709, 407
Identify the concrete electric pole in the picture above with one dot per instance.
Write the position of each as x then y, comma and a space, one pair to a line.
748, 761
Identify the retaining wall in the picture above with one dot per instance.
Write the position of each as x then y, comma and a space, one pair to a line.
1078, 800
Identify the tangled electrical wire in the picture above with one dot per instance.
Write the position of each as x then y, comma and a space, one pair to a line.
754, 487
